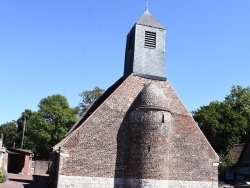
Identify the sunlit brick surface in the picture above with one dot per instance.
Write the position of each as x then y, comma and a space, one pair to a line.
100, 147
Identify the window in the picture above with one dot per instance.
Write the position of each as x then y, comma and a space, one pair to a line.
150, 39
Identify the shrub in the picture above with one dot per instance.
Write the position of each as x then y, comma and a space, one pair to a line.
3, 175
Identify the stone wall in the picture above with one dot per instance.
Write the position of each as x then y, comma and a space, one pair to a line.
42, 167
97, 182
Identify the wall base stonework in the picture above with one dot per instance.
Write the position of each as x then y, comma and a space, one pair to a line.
99, 182
89, 182
192, 184
146, 183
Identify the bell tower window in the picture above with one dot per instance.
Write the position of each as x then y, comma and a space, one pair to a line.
150, 39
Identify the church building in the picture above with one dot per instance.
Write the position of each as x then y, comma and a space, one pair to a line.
138, 134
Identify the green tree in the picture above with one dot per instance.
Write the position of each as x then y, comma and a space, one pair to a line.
48, 125
10, 134
38, 135
239, 101
26, 115
56, 111
226, 123
88, 96
222, 126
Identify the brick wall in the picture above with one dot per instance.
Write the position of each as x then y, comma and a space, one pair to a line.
100, 147
26, 168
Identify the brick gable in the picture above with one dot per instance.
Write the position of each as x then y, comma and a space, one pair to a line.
99, 146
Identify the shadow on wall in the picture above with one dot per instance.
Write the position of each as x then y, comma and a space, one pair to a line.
122, 153
143, 145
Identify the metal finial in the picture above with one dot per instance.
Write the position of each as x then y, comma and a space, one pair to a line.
147, 5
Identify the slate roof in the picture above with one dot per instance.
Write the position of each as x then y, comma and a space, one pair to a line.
148, 20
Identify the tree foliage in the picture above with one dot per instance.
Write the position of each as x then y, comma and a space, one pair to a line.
26, 114
222, 126
88, 96
48, 125
239, 101
10, 134
38, 135
226, 123
56, 112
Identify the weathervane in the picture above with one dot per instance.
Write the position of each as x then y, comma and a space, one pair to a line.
147, 5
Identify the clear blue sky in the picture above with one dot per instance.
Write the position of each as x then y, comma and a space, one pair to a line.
64, 47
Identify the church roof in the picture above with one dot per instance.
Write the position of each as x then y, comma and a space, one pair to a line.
148, 20
151, 96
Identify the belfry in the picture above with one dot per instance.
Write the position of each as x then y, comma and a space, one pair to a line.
145, 48
138, 134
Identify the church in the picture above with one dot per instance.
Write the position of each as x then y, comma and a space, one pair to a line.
138, 134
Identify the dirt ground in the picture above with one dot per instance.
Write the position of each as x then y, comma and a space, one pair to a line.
25, 181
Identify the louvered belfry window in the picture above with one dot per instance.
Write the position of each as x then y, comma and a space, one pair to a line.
150, 39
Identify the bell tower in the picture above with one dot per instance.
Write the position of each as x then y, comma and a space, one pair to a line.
145, 48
